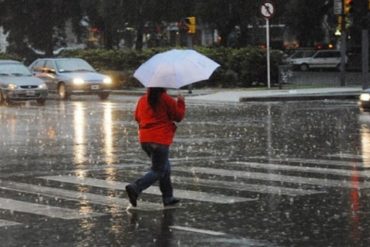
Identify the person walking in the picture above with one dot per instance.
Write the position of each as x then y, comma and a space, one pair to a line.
155, 114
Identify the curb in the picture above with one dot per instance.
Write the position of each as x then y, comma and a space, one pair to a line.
299, 97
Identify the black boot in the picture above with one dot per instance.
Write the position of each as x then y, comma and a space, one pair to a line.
170, 202
132, 194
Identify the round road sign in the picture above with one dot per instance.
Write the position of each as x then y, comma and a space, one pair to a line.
267, 9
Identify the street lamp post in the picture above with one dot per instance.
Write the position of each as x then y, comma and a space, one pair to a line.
267, 9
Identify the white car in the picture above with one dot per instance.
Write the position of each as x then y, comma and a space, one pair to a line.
299, 54
18, 84
319, 59
71, 76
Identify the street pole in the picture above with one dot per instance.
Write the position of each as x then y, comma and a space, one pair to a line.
365, 59
268, 51
190, 46
343, 47
267, 9
365, 8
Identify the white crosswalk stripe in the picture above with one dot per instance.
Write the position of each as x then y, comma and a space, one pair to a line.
6, 223
274, 177
76, 196
242, 186
44, 210
319, 162
304, 169
154, 190
238, 177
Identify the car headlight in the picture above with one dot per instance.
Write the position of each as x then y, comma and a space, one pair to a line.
78, 81
107, 80
43, 86
365, 97
12, 86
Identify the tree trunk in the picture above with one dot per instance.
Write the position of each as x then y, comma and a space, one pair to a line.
139, 38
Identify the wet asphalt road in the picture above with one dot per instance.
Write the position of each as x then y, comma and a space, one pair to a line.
249, 174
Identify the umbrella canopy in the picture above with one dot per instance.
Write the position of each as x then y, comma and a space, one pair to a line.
175, 69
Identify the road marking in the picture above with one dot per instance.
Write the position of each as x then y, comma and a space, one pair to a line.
6, 223
319, 162
277, 167
243, 186
176, 161
89, 169
77, 196
240, 186
154, 190
44, 210
216, 238
346, 155
274, 177
197, 230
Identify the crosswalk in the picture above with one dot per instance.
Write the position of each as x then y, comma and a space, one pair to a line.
198, 180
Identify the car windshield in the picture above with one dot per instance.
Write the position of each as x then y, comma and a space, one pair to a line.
14, 69
73, 65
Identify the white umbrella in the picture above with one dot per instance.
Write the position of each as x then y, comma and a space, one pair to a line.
175, 69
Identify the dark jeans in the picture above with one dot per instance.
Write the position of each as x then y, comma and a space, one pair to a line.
159, 170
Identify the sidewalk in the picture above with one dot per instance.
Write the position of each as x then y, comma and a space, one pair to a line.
245, 94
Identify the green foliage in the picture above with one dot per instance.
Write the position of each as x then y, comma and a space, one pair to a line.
10, 56
239, 67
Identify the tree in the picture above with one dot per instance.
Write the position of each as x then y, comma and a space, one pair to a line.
141, 12
108, 17
304, 19
38, 24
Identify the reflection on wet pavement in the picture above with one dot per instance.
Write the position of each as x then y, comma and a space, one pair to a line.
252, 174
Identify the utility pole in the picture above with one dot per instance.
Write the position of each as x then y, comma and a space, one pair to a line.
346, 9
365, 7
267, 10
191, 30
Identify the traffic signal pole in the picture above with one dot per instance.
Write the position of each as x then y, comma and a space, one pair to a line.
365, 58
190, 46
365, 7
191, 30
343, 43
343, 48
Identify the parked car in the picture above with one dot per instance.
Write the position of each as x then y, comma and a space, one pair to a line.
18, 84
302, 53
319, 59
365, 99
71, 76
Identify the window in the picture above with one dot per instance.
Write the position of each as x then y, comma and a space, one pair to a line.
49, 65
38, 65
322, 55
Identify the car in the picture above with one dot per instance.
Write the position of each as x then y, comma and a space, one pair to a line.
18, 84
71, 76
365, 99
302, 53
319, 59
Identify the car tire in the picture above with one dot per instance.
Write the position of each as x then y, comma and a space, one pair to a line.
41, 101
303, 67
62, 91
103, 96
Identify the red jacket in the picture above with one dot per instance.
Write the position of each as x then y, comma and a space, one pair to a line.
159, 126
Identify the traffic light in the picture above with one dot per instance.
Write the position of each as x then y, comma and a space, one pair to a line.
338, 30
347, 6
191, 24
